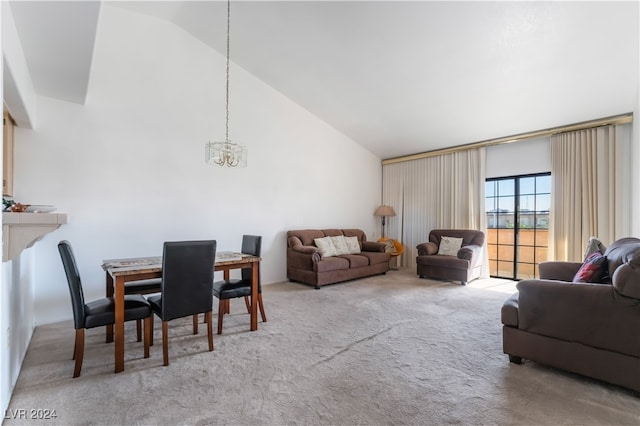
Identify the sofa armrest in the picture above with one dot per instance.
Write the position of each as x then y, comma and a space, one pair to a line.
592, 314
373, 246
560, 271
425, 249
469, 252
306, 249
303, 257
626, 278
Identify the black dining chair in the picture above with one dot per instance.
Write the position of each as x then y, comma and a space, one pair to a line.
142, 287
226, 290
186, 286
99, 312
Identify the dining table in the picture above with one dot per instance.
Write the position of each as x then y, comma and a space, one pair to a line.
120, 271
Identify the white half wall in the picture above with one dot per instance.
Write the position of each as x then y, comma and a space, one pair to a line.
128, 167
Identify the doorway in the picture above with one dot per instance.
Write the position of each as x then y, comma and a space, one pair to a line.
517, 209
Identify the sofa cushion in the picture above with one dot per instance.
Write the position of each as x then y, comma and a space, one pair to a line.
592, 270
331, 264
449, 246
340, 245
356, 260
376, 257
306, 236
451, 262
353, 245
326, 246
332, 232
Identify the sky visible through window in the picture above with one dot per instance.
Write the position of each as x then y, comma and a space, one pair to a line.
535, 194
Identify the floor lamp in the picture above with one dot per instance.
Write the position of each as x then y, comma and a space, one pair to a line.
384, 211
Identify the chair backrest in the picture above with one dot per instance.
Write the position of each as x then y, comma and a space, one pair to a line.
251, 244
75, 284
187, 278
469, 236
618, 253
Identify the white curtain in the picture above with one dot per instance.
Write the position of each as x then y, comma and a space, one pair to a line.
444, 191
590, 192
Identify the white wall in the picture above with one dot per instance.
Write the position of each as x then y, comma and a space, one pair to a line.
519, 158
128, 167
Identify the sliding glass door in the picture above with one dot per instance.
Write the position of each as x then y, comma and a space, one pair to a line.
517, 210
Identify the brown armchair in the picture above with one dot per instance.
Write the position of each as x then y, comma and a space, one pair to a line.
464, 266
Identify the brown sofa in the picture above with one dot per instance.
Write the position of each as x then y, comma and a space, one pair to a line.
306, 264
465, 266
592, 329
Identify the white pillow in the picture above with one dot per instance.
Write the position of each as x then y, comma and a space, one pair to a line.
449, 246
340, 245
389, 247
352, 244
325, 245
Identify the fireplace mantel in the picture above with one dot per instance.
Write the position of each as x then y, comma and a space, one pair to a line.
23, 230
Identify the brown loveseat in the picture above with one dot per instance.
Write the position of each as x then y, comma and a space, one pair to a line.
307, 265
592, 329
464, 266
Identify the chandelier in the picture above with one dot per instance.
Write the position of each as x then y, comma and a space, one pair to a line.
226, 153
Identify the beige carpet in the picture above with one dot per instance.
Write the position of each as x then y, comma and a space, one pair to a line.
392, 349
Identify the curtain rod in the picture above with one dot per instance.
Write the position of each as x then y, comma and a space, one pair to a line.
615, 119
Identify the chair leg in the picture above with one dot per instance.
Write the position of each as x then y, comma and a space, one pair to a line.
195, 324
227, 306
78, 351
151, 327
221, 308
165, 342
209, 319
138, 330
147, 335
261, 306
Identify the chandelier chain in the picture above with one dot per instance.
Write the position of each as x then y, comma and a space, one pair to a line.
226, 153
227, 97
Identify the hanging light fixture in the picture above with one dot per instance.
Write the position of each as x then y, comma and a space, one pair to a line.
226, 153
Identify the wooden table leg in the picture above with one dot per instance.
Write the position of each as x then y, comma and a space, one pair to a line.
109, 293
119, 324
255, 270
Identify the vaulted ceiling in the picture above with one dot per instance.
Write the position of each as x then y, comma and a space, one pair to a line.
397, 77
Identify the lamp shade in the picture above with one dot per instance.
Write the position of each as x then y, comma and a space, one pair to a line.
384, 211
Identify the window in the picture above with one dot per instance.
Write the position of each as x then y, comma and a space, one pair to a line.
517, 210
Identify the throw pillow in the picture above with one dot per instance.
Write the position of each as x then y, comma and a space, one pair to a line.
340, 245
594, 245
325, 245
352, 244
592, 270
449, 246
389, 247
